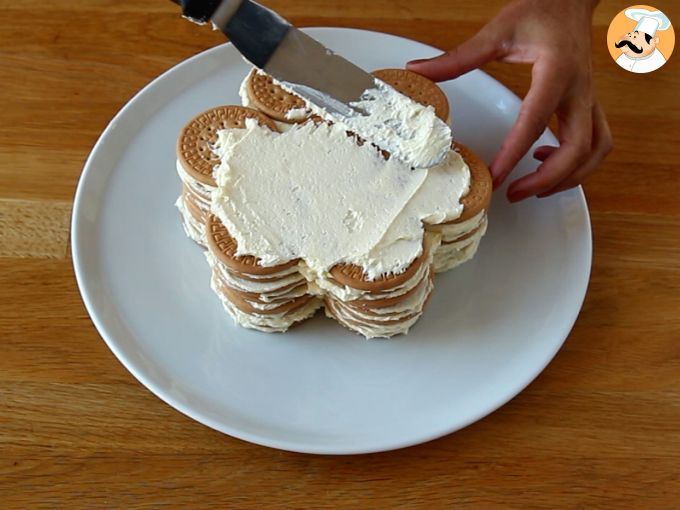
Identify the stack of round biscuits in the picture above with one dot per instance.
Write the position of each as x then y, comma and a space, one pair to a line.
274, 298
268, 298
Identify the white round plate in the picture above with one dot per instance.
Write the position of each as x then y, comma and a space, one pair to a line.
491, 327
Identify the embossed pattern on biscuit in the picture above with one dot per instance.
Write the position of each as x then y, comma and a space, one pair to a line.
418, 88
224, 247
355, 277
194, 143
270, 98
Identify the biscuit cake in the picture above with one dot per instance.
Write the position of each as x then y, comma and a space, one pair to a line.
275, 292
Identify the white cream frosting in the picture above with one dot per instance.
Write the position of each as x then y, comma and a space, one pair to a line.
202, 190
452, 231
312, 193
279, 274
270, 323
268, 290
194, 229
410, 131
407, 306
322, 286
450, 255
243, 91
374, 330
296, 114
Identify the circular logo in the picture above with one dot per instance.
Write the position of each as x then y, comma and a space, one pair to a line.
641, 39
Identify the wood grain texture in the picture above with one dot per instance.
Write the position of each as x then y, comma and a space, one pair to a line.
598, 429
34, 228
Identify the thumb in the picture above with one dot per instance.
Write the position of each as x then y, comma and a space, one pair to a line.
470, 55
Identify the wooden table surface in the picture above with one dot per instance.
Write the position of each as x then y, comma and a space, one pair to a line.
600, 428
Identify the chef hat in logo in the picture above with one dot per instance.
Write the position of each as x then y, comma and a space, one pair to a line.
648, 21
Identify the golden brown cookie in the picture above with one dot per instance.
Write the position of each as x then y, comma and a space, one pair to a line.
190, 202
369, 304
195, 197
418, 88
237, 300
257, 297
333, 306
224, 247
252, 278
271, 99
354, 276
478, 198
194, 143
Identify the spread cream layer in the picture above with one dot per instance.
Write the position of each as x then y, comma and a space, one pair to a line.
450, 255
243, 91
294, 115
406, 307
313, 193
194, 229
372, 330
267, 290
276, 323
452, 231
410, 131
201, 189
322, 286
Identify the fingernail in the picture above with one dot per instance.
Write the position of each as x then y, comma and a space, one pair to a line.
416, 62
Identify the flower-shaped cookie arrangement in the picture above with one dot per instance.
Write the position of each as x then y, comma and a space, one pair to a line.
269, 291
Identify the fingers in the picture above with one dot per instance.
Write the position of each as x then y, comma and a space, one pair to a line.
576, 128
601, 146
473, 53
539, 104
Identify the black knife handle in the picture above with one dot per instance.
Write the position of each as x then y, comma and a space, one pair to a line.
256, 31
200, 11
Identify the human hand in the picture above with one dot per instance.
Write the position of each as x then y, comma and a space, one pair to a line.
554, 37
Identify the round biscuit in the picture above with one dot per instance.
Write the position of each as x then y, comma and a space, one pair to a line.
333, 306
463, 237
192, 207
256, 296
368, 304
224, 247
196, 138
354, 276
243, 305
270, 98
478, 198
418, 88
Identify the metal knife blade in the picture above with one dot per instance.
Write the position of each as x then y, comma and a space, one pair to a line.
349, 95
302, 63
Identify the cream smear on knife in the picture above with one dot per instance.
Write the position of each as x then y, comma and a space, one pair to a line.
410, 131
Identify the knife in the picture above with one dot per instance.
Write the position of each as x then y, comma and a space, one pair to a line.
301, 63
340, 90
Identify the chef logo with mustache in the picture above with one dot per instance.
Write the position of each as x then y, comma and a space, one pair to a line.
647, 42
